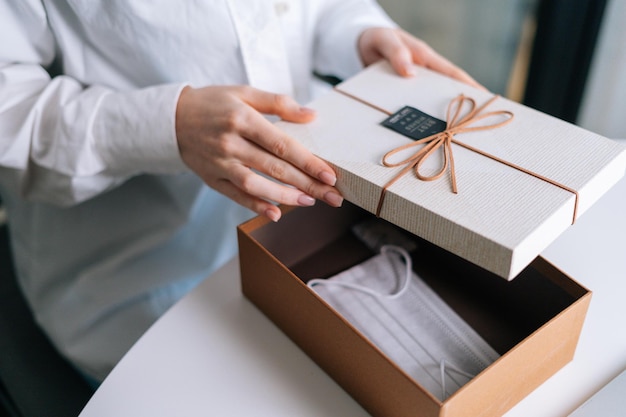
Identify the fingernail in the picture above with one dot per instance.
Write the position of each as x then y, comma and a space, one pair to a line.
306, 200
307, 111
273, 215
333, 199
328, 178
409, 69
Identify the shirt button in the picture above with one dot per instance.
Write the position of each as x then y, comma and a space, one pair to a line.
281, 8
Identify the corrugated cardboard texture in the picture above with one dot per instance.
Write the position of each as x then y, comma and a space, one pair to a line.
534, 321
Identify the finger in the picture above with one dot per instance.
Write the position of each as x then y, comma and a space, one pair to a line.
238, 149
267, 136
259, 130
423, 54
277, 104
259, 206
251, 183
229, 178
392, 48
286, 173
440, 64
239, 155
257, 192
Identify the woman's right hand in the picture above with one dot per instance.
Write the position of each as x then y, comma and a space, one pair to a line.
225, 139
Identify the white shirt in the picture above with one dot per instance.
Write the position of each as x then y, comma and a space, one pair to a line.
109, 228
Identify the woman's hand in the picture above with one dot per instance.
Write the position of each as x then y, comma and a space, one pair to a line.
402, 50
224, 138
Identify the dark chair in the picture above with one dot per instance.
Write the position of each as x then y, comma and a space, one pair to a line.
35, 381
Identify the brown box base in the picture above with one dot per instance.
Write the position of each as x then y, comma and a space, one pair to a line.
533, 321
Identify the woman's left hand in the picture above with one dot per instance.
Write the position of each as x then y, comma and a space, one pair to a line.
402, 50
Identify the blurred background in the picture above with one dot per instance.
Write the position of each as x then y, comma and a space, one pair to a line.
564, 57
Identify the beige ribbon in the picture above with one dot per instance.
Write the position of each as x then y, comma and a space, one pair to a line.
455, 123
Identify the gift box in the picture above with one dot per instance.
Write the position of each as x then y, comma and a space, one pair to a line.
513, 178
533, 322
483, 184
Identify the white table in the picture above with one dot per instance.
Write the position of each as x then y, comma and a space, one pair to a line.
215, 354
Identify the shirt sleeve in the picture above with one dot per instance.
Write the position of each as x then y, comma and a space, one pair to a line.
340, 23
62, 142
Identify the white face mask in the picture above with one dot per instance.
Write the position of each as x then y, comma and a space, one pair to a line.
408, 321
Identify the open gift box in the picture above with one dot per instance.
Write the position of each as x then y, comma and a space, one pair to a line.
521, 178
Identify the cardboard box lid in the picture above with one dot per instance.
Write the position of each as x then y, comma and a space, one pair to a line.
502, 216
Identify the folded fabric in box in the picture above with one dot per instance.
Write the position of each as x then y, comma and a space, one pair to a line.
385, 300
540, 172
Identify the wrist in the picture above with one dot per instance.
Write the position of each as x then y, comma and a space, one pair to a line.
136, 130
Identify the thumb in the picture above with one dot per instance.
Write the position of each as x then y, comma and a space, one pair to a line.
280, 105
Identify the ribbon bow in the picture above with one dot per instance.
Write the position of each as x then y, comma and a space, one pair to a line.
455, 123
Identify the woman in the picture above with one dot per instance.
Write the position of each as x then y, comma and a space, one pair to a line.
132, 143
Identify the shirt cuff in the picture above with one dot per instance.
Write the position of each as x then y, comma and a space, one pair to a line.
135, 132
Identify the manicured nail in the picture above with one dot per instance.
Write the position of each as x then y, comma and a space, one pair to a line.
272, 215
306, 200
307, 111
333, 199
409, 69
328, 178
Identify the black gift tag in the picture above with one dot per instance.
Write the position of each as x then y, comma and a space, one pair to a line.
412, 123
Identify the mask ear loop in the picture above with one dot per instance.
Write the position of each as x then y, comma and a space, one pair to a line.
442, 369
386, 249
